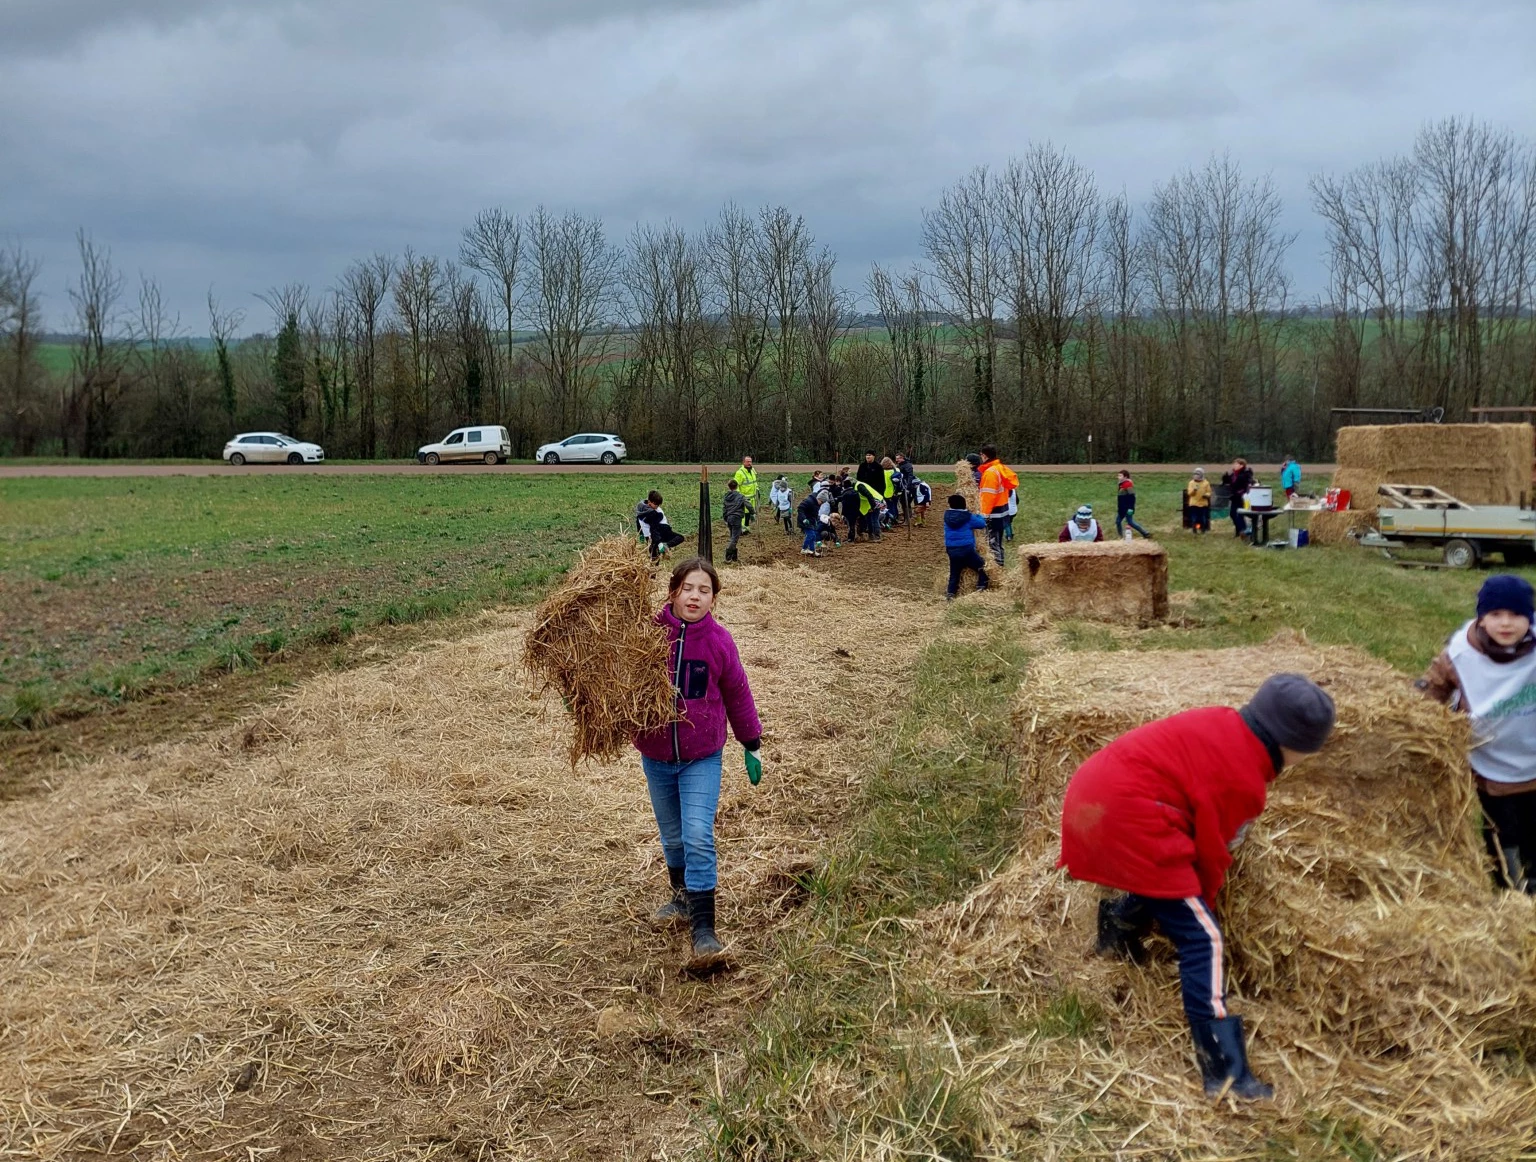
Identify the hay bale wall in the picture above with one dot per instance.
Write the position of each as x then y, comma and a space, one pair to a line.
1118, 581
1380, 973
1477, 463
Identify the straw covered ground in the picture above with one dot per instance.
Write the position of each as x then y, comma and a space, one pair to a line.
1118, 581
385, 918
1389, 992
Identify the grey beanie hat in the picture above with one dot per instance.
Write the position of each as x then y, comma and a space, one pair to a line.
1294, 711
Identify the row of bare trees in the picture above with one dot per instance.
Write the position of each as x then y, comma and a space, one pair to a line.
1059, 318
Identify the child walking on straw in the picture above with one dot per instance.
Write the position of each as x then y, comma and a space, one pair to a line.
960, 525
1489, 671
682, 762
1156, 813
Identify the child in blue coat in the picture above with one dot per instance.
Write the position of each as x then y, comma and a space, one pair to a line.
960, 543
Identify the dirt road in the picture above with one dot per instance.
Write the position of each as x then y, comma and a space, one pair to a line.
765, 471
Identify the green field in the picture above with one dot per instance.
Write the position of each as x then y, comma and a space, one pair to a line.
116, 587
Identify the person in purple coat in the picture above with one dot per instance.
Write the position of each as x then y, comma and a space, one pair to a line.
683, 761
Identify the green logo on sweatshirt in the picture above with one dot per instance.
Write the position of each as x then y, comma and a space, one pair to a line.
1514, 704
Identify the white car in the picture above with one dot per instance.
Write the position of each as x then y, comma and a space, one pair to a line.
593, 446
271, 448
483, 444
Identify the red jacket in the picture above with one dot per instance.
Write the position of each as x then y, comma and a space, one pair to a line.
1155, 810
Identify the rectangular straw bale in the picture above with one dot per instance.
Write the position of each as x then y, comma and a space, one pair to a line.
1477, 463
1395, 769
1333, 528
1362, 895
1118, 581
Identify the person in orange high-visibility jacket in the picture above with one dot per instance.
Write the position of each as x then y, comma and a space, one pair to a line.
997, 483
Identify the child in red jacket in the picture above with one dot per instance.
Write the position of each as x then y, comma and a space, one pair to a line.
1156, 813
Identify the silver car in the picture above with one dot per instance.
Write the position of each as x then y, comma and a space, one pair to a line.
589, 446
271, 448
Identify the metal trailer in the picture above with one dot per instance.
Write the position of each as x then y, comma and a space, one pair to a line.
1419, 516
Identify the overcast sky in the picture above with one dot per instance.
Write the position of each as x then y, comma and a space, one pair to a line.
240, 144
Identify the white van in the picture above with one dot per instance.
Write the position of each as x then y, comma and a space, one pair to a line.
483, 444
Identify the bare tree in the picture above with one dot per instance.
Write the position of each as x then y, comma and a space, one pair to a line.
783, 252
826, 323
739, 298
571, 288
20, 320
962, 241
664, 280
97, 375
366, 285
289, 305
419, 310
902, 303
222, 326
493, 247
1120, 290
1198, 226
1048, 217
468, 354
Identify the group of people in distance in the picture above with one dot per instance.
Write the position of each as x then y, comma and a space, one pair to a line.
1239, 480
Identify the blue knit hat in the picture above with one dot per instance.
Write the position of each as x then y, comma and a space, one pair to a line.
1506, 591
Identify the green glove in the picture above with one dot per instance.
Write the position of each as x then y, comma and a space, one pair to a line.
754, 768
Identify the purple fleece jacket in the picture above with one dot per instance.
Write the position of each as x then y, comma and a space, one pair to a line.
711, 687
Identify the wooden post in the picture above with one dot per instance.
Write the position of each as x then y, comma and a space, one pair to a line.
706, 527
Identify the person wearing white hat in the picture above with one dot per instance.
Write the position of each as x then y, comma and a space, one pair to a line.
1082, 527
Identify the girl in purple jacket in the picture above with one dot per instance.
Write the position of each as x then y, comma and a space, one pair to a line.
682, 762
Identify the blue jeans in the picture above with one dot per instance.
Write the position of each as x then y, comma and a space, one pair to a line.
811, 534
684, 797
1128, 517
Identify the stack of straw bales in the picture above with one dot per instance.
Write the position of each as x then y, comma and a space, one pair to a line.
1120, 581
595, 641
1386, 984
1477, 463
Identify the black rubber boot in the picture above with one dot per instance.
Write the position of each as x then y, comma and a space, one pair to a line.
1118, 936
1223, 1061
677, 907
701, 915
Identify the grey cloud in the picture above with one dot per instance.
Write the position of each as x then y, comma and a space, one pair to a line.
56, 25
1114, 100
242, 144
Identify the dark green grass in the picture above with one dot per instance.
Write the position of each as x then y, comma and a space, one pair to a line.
115, 587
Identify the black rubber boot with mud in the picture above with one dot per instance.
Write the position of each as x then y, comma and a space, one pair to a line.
676, 909
707, 948
1223, 1058
1118, 936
